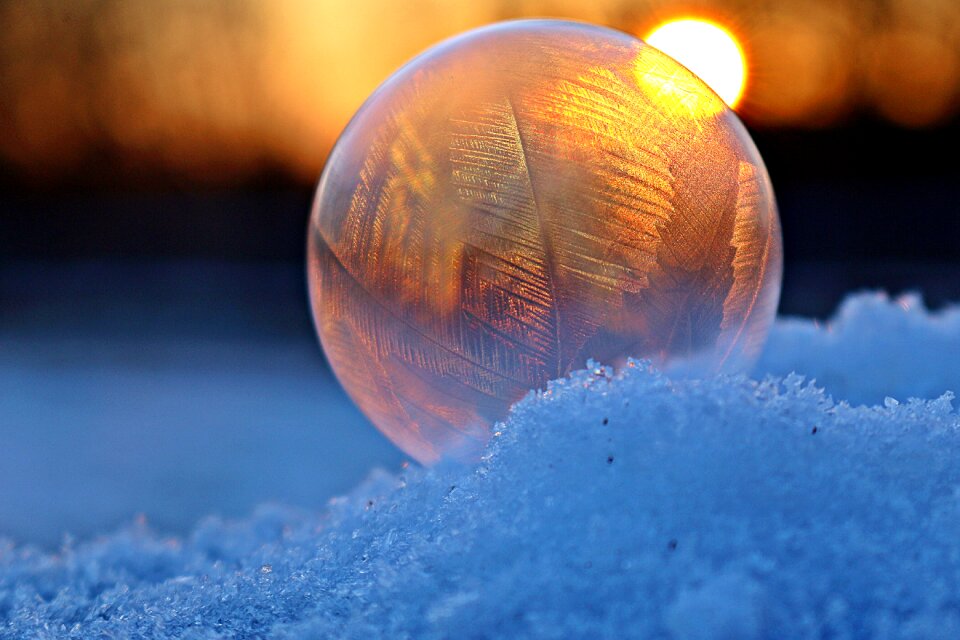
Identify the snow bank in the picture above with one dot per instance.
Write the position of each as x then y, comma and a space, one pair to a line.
872, 348
625, 505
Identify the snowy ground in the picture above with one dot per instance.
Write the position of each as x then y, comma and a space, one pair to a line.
613, 505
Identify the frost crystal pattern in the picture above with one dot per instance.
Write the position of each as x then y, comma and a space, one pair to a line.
524, 197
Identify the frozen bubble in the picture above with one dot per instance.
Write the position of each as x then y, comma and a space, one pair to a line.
524, 197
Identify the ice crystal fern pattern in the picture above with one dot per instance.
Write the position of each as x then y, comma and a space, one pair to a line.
524, 197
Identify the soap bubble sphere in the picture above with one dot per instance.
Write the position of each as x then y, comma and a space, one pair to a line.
524, 197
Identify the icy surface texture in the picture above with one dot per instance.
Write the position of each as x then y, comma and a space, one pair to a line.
610, 506
523, 197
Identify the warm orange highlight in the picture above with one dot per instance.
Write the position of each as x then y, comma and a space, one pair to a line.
707, 49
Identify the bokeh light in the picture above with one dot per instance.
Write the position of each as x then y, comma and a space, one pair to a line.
220, 91
707, 49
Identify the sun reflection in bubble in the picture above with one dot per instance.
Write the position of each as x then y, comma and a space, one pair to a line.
707, 49
674, 89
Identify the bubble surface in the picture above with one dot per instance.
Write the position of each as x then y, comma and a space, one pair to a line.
524, 197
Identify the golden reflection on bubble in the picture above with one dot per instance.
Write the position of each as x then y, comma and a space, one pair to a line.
707, 49
520, 199
679, 92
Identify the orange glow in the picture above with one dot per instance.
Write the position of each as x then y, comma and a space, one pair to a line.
804, 71
221, 91
924, 64
673, 88
707, 49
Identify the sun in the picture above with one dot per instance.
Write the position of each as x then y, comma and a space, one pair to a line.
707, 49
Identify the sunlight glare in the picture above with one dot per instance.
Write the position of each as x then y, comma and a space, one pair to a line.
707, 49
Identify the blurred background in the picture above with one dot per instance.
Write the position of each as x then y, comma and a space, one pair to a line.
157, 164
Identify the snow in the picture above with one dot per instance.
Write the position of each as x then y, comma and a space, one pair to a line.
617, 505
872, 348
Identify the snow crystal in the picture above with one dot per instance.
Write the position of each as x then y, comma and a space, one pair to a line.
610, 505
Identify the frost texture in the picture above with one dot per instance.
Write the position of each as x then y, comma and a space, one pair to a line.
624, 505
